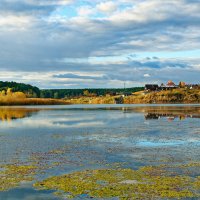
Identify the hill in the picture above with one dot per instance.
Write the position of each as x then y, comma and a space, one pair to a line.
19, 93
179, 95
27, 89
35, 92
70, 93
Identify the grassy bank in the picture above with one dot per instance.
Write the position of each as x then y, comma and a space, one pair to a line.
31, 101
8, 98
93, 100
179, 95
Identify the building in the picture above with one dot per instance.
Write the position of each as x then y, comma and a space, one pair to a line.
170, 85
151, 87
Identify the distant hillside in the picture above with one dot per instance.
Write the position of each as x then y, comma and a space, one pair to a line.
180, 95
35, 92
29, 90
69, 93
174, 96
135, 95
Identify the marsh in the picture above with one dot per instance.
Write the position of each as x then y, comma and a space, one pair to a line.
44, 142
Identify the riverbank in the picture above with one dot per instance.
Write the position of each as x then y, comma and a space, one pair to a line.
31, 101
180, 95
175, 96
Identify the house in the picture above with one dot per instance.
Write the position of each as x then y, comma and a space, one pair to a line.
151, 87
170, 85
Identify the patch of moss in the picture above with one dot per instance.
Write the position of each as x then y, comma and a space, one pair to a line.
145, 183
197, 183
12, 175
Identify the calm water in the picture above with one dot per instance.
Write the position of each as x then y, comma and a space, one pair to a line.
64, 139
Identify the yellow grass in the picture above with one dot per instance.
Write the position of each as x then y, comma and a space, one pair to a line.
31, 101
180, 95
19, 98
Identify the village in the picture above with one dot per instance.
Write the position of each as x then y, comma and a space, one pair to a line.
163, 93
170, 85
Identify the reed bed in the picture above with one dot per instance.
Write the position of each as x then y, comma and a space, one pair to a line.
31, 101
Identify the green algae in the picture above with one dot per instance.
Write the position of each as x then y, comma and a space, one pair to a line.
12, 176
145, 183
197, 183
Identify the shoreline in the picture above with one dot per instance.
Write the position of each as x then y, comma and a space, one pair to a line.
175, 96
32, 102
66, 103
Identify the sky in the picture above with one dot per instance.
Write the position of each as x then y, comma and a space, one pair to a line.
98, 43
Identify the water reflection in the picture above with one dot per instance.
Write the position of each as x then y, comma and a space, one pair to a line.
9, 114
150, 112
169, 112
59, 140
170, 117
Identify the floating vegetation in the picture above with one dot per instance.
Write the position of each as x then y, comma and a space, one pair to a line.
145, 183
43, 156
197, 183
12, 176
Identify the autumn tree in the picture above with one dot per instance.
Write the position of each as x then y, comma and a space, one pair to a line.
86, 93
182, 84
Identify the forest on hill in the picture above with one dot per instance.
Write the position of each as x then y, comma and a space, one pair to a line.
27, 89
69, 93
34, 92
12, 93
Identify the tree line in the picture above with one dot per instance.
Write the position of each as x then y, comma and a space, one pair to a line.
34, 92
27, 89
70, 93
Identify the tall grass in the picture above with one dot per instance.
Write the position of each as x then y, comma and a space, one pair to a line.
180, 95
8, 98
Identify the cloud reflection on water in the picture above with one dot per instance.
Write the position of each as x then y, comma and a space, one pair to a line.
95, 137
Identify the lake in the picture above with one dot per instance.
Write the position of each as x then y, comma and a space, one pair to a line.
129, 149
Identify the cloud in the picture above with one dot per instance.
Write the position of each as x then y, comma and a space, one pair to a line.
107, 7
82, 77
146, 75
111, 39
15, 21
85, 11
31, 7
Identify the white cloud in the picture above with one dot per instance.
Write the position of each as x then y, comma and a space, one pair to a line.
85, 11
107, 7
96, 40
13, 21
147, 75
